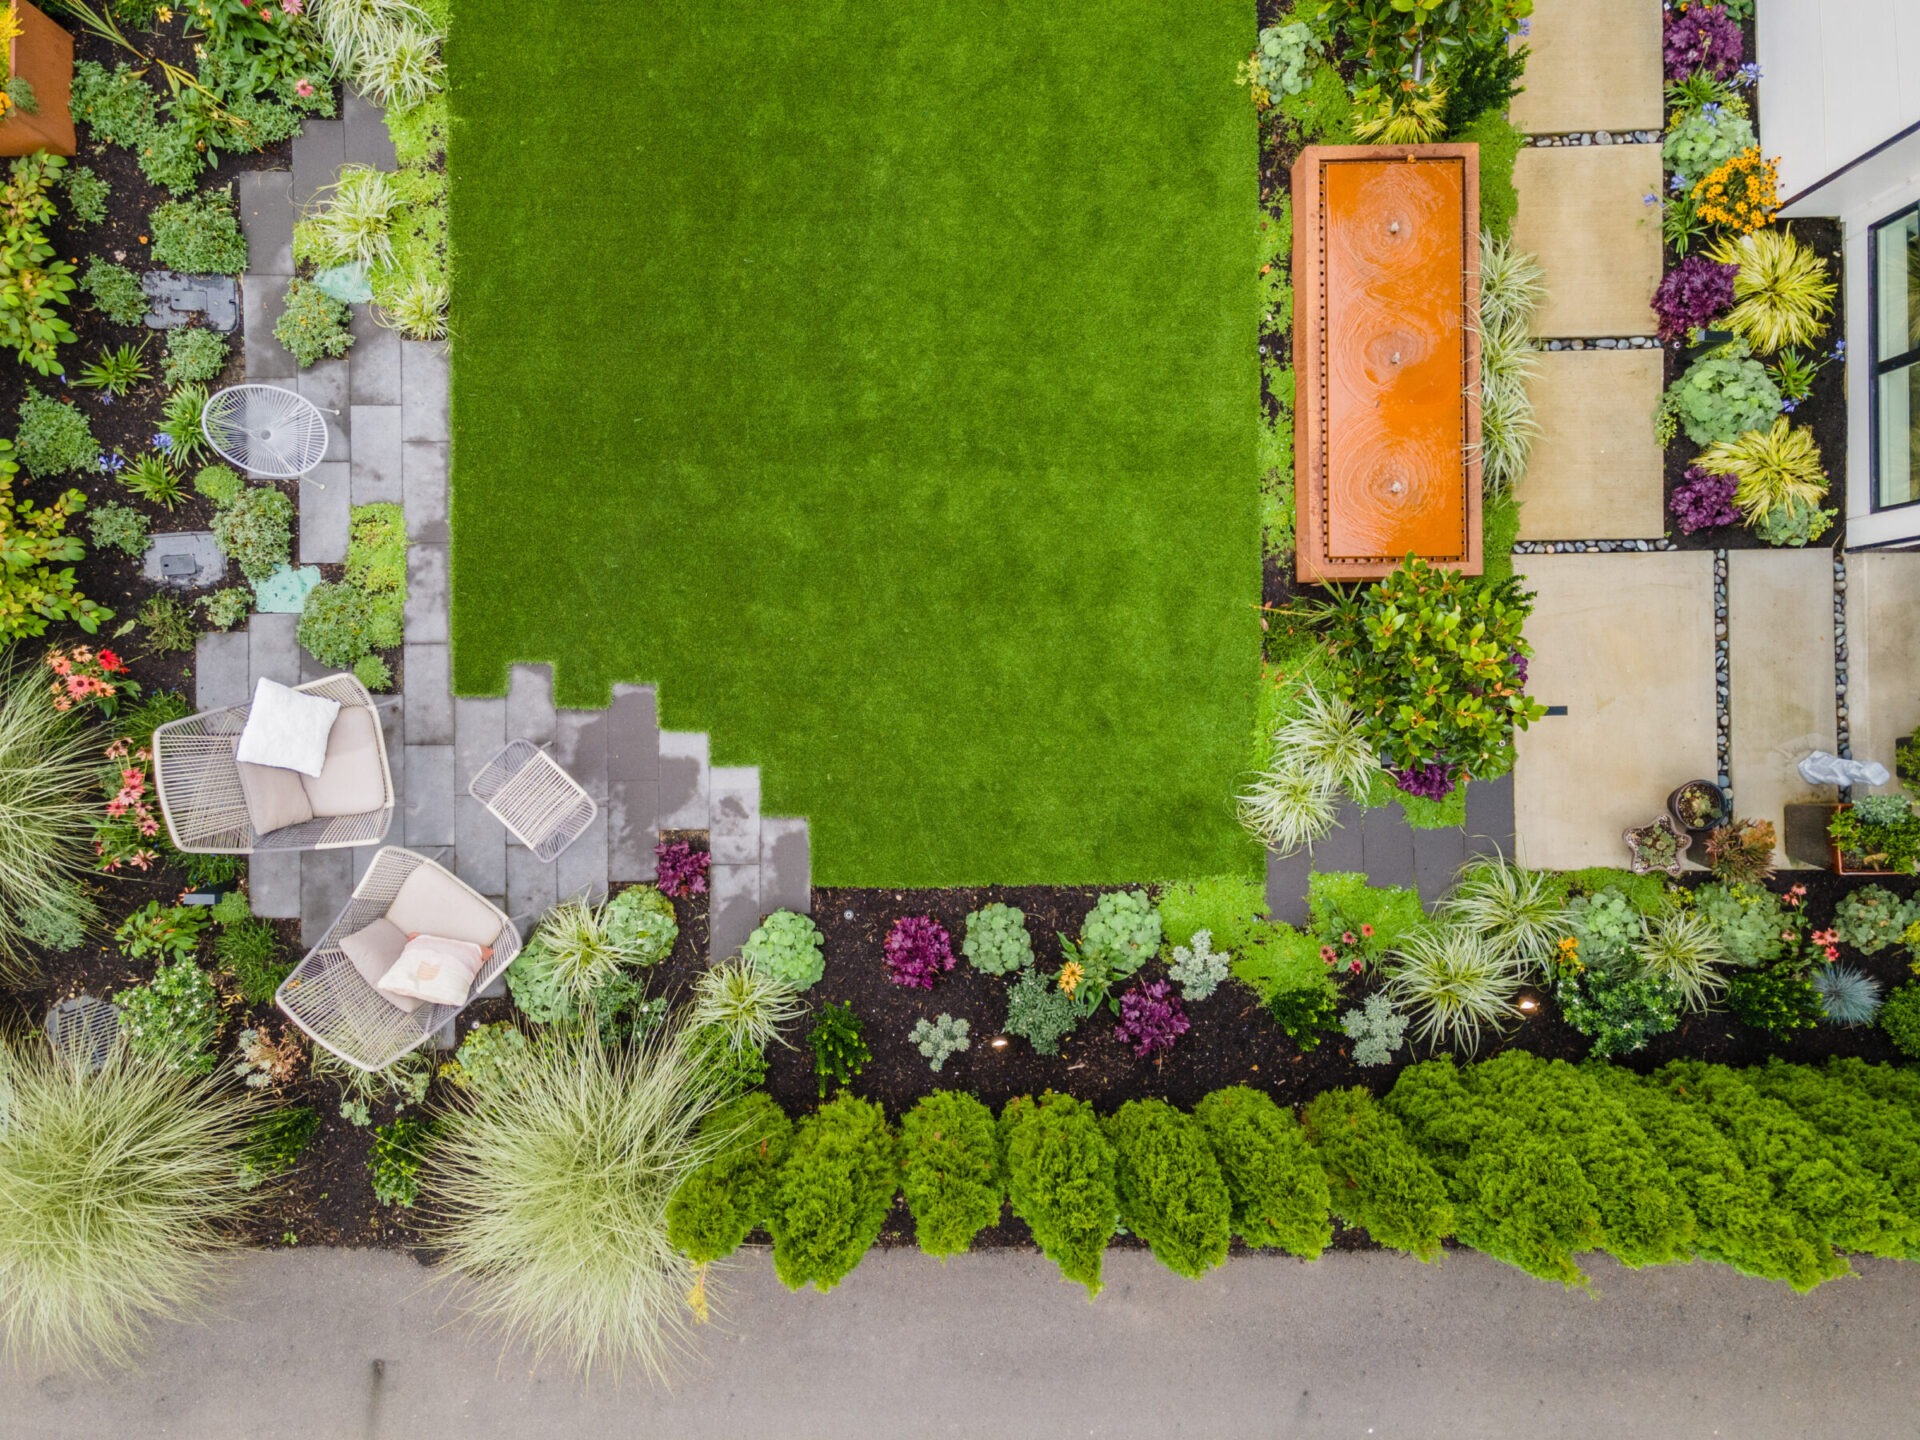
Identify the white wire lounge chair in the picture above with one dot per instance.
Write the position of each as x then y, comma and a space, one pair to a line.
204, 801
331, 995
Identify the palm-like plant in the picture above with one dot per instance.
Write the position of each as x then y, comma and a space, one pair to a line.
1520, 913
551, 1198
114, 1188
1325, 739
49, 770
1782, 295
1776, 467
1683, 950
1452, 984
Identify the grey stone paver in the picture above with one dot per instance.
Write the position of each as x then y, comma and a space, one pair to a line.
265, 200
429, 702
325, 384
786, 876
1340, 848
684, 778
481, 843
366, 140
273, 884
326, 881
735, 894
1490, 816
580, 748
735, 814
423, 482
272, 651
1287, 878
326, 513
633, 736
318, 152
376, 455
530, 712
375, 358
262, 298
429, 792
479, 730
1437, 858
533, 887
633, 829
1387, 847
423, 389
427, 589
583, 867
221, 673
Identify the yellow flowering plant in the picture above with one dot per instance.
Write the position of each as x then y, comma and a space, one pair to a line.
1741, 194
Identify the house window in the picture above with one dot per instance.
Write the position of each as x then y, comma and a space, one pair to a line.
1896, 360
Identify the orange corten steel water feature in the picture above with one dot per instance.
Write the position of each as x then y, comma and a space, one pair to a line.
1387, 427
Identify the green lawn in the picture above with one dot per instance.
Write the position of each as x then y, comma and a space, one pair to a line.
881, 382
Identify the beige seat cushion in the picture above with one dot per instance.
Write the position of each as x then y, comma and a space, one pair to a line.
435, 970
432, 902
349, 783
276, 798
373, 952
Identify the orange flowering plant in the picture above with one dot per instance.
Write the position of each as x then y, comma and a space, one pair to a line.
83, 676
1740, 194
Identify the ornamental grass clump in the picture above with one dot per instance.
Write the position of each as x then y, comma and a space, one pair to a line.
49, 771
1510, 292
1169, 1187
918, 950
1286, 808
749, 1006
1520, 913
1453, 985
1848, 995
1772, 469
1783, 294
1060, 1181
118, 1186
550, 1196
832, 1193
1275, 1186
1324, 739
1682, 950
950, 1171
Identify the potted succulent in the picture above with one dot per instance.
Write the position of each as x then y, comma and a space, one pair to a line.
1697, 807
1658, 846
36, 87
1875, 835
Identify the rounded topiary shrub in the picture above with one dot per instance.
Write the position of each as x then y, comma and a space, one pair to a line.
1900, 1018
337, 625
832, 1193
1169, 1185
950, 1160
1276, 1186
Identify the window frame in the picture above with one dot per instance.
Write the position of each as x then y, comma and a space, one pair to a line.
1876, 367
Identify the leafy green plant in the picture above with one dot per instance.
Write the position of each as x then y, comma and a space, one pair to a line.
115, 292
1606, 924
1782, 295
1377, 1030
1040, 1013
120, 1194
1707, 137
1878, 832
173, 1019
199, 236
490, 1056
1719, 397
54, 438
180, 422
173, 932
1121, 933
226, 608
86, 195
1169, 1186
839, 1048
787, 946
1060, 1181
116, 371
118, 527
1282, 62
1900, 1019
950, 1170
275, 1141
1749, 918
339, 625
1198, 968
194, 356
750, 1007
1276, 1188
1616, 1005
168, 624
722, 1201
313, 325
248, 952
997, 941
1376, 1178
153, 480
1778, 999
1794, 522
1871, 918
552, 1196
255, 531
374, 673
33, 284
832, 1192
399, 1149
36, 587
1452, 985
1358, 920
939, 1039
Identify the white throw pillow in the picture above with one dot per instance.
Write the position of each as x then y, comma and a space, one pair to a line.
287, 729
434, 969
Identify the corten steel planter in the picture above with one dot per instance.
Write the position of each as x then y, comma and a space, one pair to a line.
1386, 348
42, 55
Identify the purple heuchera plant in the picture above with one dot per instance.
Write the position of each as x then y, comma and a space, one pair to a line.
1151, 1018
1703, 37
918, 949
1702, 500
1695, 293
1431, 781
680, 870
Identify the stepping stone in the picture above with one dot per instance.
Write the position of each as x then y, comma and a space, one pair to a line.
1437, 858
1582, 214
1339, 850
530, 712
684, 780
428, 796
366, 140
734, 822
326, 513
1883, 642
1596, 472
633, 829
285, 591
221, 674
1780, 678
1490, 816
325, 384
376, 361
582, 869
178, 298
326, 884
423, 482
786, 872
426, 615
533, 887
633, 734
735, 894
1596, 65
429, 695
265, 199
319, 150
273, 885
1386, 842
185, 560
1625, 642
1287, 879
273, 652
265, 359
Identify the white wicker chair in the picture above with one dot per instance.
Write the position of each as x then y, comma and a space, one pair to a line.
328, 997
199, 785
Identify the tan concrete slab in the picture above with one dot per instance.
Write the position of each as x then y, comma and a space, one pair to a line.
1583, 212
1779, 678
1625, 642
1883, 651
1595, 66
1595, 472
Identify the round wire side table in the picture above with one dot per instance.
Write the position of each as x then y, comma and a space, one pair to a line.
266, 430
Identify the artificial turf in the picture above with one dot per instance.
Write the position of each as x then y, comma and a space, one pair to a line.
881, 382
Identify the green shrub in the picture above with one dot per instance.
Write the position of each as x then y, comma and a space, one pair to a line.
36, 580
1284, 968
86, 195
1779, 1000
1040, 1013
399, 1149
115, 292
1376, 1178
194, 356
199, 236
1277, 1189
1616, 1006
118, 527
168, 624
226, 608
1323, 111
1749, 919
997, 940
1706, 138
377, 549
220, 485
1120, 934
1378, 918
120, 1193
255, 531
174, 1018
1871, 918
1060, 1181
313, 326
787, 946
832, 1193
726, 1198
34, 285
374, 673
54, 438
274, 1144
1880, 1134
490, 1056
338, 625
1169, 1186
838, 1043
950, 1170
1229, 907
1500, 144
248, 952
1719, 397
1900, 1018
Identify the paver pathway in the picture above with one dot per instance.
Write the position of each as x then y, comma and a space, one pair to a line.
386, 404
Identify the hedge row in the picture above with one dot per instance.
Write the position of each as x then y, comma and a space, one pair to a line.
1778, 1171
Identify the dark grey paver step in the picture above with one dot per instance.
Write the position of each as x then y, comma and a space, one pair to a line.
265, 200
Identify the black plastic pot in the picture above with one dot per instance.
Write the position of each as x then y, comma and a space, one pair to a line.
1719, 807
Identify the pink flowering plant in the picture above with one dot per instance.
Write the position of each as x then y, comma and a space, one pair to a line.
128, 834
918, 951
84, 676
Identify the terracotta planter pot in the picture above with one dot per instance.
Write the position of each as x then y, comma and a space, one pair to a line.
1836, 861
42, 55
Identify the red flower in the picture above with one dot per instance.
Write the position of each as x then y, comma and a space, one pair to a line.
1346, 937
1367, 931
111, 662
1327, 954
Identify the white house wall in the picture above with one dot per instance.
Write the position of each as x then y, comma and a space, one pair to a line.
1838, 78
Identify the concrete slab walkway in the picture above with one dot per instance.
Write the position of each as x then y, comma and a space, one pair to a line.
1595, 472
1595, 66
365, 1345
1582, 212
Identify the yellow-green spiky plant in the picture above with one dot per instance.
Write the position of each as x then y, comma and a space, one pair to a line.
1773, 468
1782, 295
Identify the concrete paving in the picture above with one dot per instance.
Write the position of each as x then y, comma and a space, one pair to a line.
1595, 66
1582, 213
1625, 643
1595, 472
1780, 678
1883, 639
356, 1345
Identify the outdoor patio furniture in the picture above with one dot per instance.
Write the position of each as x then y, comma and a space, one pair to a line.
204, 802
266, 430
331, 993
541, 805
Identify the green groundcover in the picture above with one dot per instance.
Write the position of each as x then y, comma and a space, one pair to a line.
880, 381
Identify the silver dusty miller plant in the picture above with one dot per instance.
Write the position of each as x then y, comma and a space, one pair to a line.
1198, 968
1376, 1030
